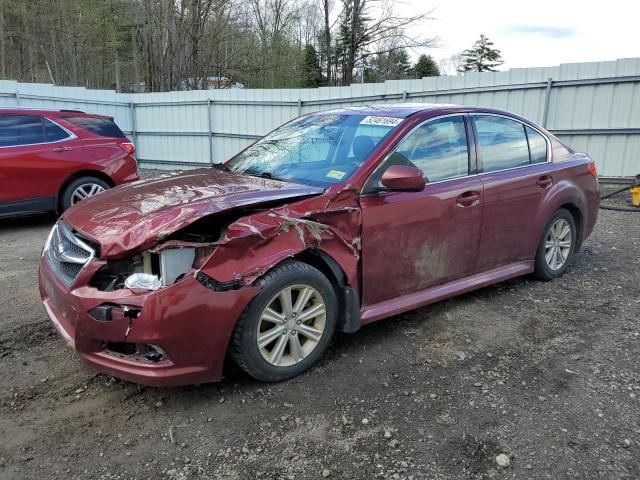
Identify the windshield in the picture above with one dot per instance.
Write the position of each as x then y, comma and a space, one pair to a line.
318, 150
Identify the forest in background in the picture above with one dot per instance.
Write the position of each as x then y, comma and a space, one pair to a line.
162, 45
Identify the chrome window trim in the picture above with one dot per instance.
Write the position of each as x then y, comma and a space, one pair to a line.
70, 134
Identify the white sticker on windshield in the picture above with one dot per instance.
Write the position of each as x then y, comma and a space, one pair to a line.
382, 121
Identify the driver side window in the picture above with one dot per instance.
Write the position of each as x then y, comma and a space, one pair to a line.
438, 148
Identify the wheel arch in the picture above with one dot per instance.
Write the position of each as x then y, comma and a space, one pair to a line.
348, 297
578, 218
81, 173
565, 195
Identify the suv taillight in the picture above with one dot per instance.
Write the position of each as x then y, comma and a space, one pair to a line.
128, 147
593, 170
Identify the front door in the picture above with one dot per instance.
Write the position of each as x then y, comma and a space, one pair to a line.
414, 240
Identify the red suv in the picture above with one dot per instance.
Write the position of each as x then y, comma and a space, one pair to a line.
52, 159
333, 221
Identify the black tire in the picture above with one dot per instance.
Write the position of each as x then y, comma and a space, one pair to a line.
542, 269
66, 197
244, 348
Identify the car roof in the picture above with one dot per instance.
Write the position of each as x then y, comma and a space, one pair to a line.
49, 111
405, 110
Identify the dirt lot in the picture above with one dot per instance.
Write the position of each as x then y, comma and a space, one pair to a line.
546, 373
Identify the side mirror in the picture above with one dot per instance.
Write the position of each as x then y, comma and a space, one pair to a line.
403, 178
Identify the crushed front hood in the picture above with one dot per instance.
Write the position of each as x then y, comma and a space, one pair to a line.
134, 217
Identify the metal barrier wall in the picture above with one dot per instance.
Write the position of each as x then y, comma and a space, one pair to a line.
593, 107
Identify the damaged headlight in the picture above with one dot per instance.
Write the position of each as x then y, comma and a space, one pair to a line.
150, 270
172, 264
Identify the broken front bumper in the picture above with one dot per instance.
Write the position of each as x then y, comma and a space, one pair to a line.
190, 323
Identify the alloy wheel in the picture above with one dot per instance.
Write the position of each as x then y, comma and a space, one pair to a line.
85, 191
291, 325
557, 246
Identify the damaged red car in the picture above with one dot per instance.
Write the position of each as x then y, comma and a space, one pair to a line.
333, 221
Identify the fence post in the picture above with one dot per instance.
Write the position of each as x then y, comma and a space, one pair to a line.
134, 130
404, 96
210, 130
547, 97
299, 106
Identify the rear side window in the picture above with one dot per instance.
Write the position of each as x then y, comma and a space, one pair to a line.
53, 132
537, 146
102, 127
21, 130
502, 143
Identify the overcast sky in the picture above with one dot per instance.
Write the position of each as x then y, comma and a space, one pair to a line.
534, 33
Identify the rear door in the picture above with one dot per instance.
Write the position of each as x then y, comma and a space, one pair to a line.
102, 145
513, 163
34, 154
415, 240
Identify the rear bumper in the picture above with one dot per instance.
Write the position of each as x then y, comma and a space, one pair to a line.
190, 323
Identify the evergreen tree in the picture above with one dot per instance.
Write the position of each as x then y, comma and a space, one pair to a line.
311, 70
393, 65
482, 57
426, 67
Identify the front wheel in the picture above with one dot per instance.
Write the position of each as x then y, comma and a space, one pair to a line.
557, 246
287, 327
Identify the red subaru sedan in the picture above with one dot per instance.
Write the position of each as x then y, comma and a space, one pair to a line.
333, 221
52, 159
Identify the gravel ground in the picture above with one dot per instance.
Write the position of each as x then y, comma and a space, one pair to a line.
523, 379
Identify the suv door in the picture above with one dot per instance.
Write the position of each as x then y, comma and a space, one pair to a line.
31, 147
513, 162
415, 240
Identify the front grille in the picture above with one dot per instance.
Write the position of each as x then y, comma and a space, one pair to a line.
67, 253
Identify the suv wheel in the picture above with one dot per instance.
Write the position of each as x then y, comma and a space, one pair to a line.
557, 246
287, 327
81, 189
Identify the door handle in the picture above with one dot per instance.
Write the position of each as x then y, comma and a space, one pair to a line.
545, 181
62, 149
468, 199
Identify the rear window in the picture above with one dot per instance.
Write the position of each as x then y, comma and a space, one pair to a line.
99, 126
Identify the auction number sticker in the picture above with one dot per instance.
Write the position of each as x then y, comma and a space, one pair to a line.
382, 121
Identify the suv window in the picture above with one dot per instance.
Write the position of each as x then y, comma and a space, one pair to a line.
102, 127
53, 132
438, 148
21, 130
537, 146
502, 143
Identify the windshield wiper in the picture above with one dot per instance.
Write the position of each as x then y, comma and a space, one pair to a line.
221, 166
264, 174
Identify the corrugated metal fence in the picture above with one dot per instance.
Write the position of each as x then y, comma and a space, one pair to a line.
594, 107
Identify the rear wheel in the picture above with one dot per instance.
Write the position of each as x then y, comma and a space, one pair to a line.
557, 246
81, 189
287, 327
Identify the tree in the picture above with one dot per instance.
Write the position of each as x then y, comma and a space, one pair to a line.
388, 66
311, 71
482, 57
370, 27
426, 67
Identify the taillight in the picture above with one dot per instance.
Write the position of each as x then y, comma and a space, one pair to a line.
128, 147
593, 170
